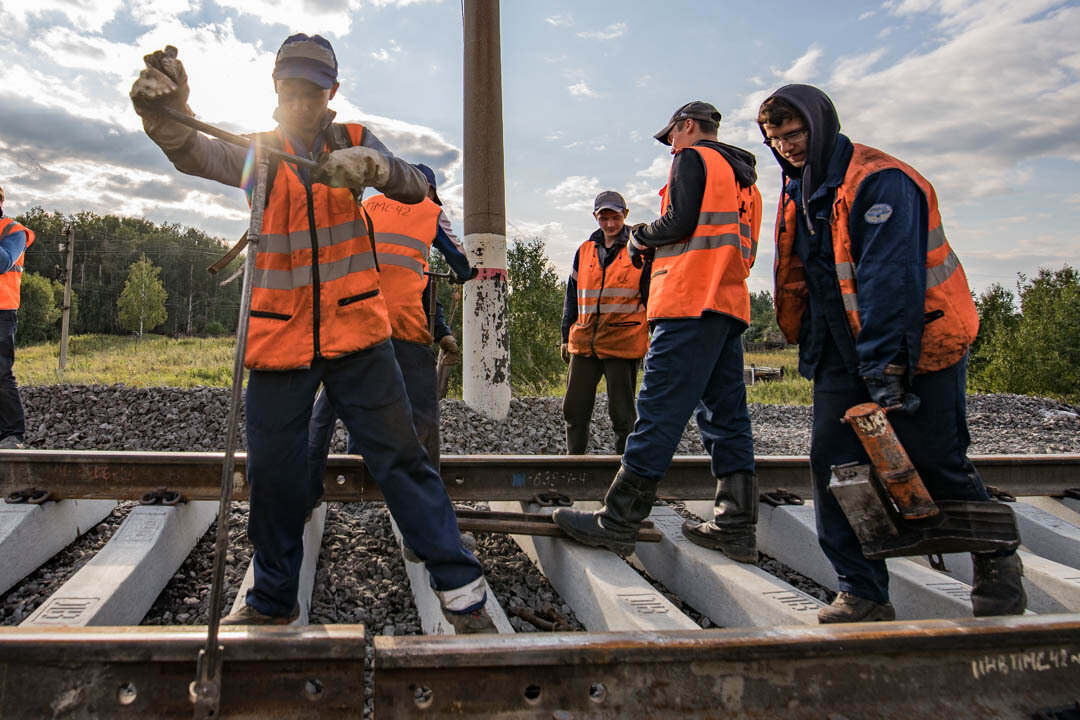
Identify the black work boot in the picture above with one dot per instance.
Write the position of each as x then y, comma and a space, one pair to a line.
629, 500
997, 587
846, 608
731, 531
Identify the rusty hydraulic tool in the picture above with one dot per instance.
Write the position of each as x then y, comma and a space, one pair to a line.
892, 512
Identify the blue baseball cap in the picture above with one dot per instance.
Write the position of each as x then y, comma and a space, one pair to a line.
430, 175
308, 58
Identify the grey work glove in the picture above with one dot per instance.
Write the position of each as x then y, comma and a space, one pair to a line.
162, 83
889, 391
564, 350
355, 168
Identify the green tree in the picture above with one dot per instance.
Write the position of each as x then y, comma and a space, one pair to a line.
1040, 355
763, 326
37, 309
536, 304
998, 320
142, 302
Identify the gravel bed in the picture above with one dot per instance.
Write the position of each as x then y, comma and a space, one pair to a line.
361, 577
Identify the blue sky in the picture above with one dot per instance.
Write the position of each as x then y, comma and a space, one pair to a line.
983, 97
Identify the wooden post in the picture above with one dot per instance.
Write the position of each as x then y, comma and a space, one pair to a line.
65, 322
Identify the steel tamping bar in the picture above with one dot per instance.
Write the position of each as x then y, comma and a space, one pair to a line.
234, 138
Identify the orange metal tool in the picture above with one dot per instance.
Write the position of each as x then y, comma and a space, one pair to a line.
891, 461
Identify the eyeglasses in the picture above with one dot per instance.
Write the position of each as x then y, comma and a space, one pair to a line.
791, 138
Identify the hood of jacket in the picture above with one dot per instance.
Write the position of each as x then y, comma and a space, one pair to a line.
820, 116
743, 162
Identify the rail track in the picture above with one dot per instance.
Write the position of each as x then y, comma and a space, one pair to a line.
81, 654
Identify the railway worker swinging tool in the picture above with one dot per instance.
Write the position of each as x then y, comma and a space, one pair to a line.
703, 246
867, 285
318, 315
404, 236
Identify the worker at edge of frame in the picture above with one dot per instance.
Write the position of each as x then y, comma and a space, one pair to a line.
14, 240
703, 247
404, 237
868, 286
604, 329
318, 316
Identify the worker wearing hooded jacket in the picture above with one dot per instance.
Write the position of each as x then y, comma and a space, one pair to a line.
868, 286
703, 246
404, 237
14, 239
318, 315
604, 330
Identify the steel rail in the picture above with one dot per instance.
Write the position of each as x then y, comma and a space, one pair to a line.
106, 672
196, 476
968, 668
973, 667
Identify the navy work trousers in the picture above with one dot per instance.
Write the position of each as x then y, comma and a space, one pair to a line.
366, 390
936, 439
417, 364
12, 418
694, 366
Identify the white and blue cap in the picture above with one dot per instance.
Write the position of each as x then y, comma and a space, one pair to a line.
309, 58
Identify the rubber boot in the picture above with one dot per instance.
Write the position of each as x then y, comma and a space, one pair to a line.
997, 587
731, 531
629, 500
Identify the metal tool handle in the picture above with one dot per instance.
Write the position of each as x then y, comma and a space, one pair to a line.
205, 692
233, 138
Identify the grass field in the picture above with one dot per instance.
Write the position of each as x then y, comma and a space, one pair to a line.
158, 361
152, 361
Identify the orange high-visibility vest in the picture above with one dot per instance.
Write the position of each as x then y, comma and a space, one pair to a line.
403, 238
953, 320
316, 290
11, 281
611, 319
708, 270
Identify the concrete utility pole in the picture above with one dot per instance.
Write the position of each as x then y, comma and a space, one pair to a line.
486, 373
65, 322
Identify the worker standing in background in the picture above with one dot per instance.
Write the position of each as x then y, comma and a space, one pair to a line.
318, 315
604, 329
14, 239
704, 245
404, 236
867, 285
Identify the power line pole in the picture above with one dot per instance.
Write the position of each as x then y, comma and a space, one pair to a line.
486, 341
64, 324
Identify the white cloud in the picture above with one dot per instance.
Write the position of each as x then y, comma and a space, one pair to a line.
866, 15
581, 89
325, 17
803, 69
643, 81
658, 169
576, 192
385, 55
559, 20
611, 32
90, 15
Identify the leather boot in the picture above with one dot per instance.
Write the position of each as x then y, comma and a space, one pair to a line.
997, 587
731, 531
629, 500
846, 608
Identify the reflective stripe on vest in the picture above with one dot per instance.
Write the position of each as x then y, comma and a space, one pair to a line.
11, 281
403, 238
708, 269
315, 291
611, 319
946, 339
